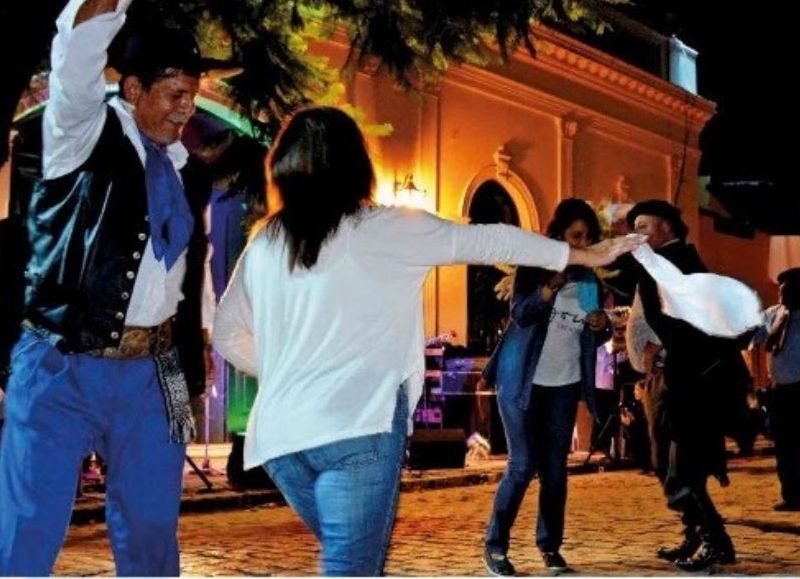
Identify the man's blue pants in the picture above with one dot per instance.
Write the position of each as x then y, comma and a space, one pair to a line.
58, 409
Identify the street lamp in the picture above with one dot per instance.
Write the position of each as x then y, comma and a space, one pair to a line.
405, 193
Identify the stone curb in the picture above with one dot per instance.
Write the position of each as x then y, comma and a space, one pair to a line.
203, 501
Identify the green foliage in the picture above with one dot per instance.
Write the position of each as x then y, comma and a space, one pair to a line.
415, 40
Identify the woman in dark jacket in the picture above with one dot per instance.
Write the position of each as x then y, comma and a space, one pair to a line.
543, 366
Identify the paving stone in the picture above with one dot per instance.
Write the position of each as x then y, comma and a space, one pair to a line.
615, 521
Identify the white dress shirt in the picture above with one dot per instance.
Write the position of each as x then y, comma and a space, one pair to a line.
73, 121
331, 345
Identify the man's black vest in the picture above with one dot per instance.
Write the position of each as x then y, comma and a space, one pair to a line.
88, 231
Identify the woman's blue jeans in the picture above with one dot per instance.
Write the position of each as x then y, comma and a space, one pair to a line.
346, 493
539, 439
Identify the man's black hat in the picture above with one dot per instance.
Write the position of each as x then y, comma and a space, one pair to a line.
790, 276
662, 209
148, 52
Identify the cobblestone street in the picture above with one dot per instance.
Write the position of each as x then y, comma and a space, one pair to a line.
615, 520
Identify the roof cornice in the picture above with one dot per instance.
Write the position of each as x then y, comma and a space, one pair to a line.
563, 54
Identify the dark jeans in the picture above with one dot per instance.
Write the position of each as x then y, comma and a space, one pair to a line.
538, 441
786, 424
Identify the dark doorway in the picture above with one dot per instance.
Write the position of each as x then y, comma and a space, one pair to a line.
486, 315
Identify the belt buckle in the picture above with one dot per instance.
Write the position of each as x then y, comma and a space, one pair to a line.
139, 342
136, 342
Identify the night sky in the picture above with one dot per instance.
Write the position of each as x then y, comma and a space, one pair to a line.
746, 65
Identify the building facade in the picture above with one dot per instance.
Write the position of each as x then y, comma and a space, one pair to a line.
514, 141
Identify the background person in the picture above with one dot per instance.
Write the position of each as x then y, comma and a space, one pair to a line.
781, 333
544, 365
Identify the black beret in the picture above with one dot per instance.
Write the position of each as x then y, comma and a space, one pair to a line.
790, 276
147, 52
662, 209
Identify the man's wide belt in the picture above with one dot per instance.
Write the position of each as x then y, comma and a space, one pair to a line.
139, 342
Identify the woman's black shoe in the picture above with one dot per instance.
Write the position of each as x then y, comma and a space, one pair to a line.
498, 564
554, 561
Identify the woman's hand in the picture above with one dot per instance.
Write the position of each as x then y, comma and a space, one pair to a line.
555, 282
550, 288
780, 319
606, 251
596, 320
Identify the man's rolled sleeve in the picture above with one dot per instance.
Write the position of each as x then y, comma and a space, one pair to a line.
75, 114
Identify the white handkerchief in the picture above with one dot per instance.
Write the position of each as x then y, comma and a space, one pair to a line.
715, 304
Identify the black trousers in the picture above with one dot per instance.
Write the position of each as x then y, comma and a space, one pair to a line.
786, 430
693, 457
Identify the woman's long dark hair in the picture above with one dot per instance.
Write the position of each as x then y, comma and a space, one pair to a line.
568, 212
321, 170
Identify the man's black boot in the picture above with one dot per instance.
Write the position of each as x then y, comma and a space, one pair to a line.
691, 542
720, 551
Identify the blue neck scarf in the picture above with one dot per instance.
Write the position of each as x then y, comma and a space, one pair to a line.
171, 220
586, 286
587, 296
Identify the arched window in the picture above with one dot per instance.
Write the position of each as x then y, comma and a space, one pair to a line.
486, 315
